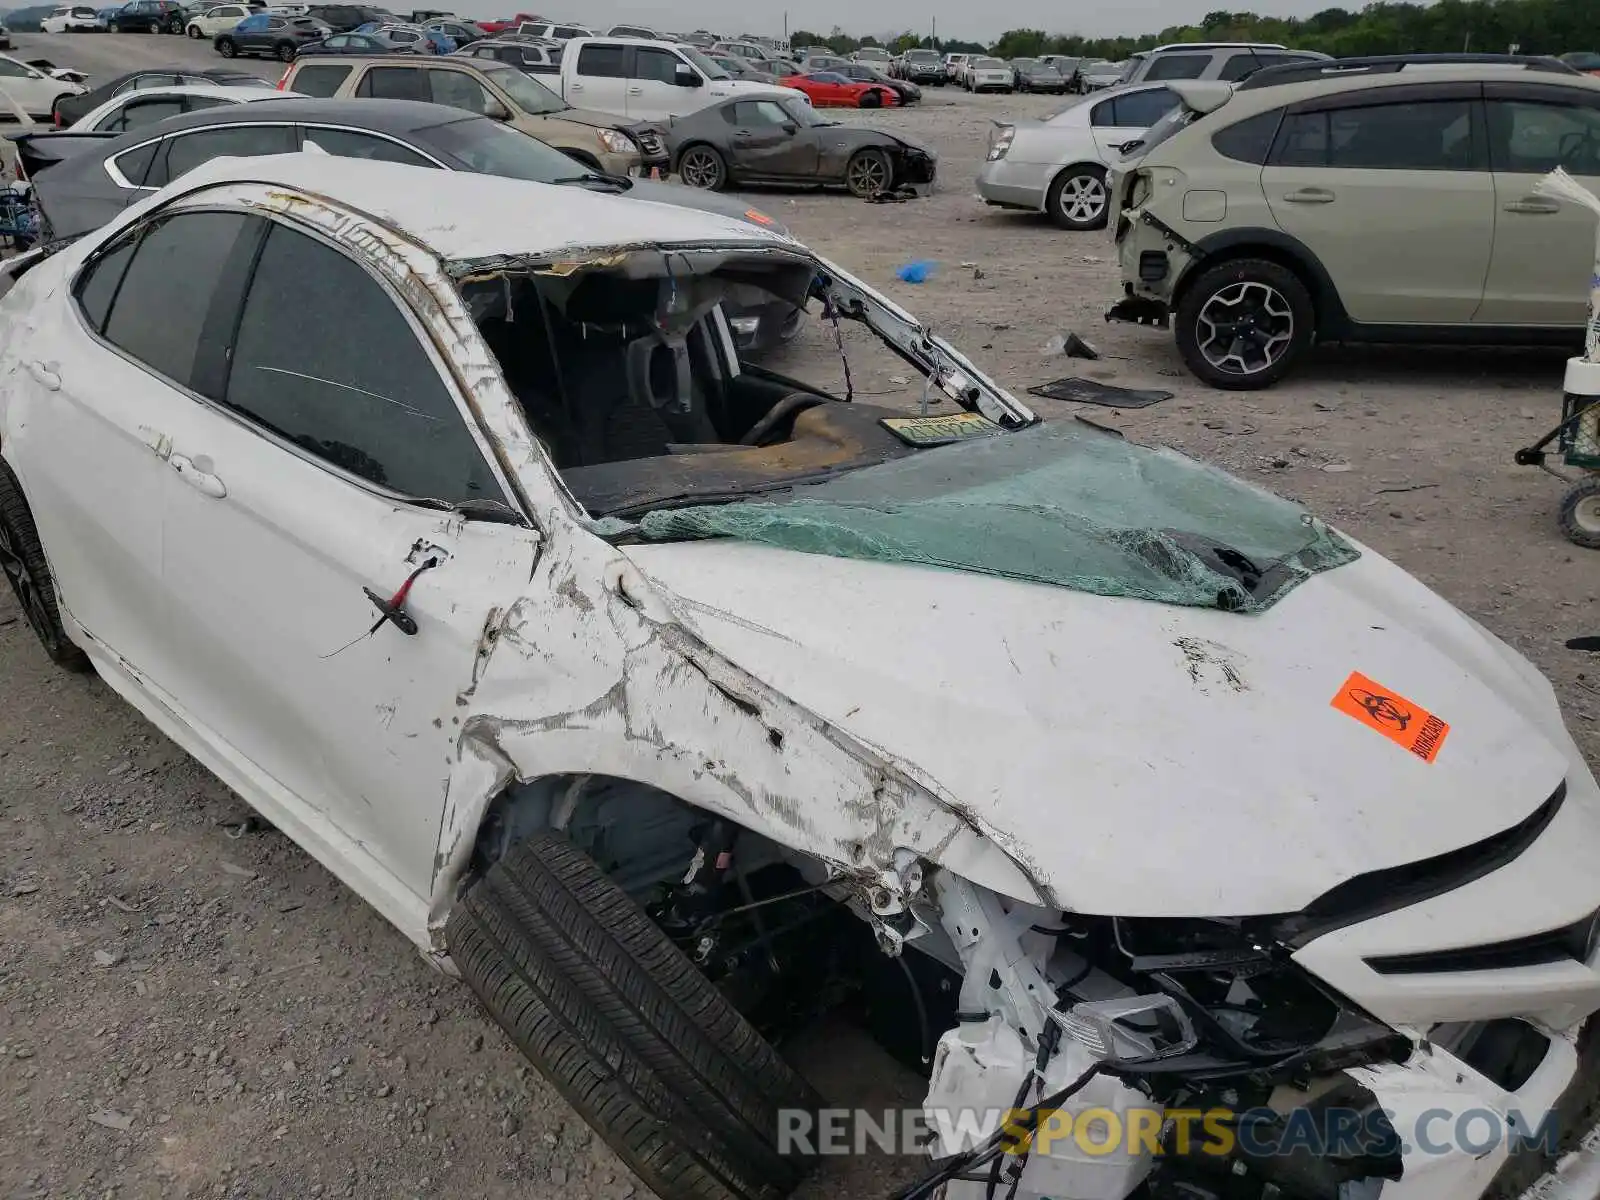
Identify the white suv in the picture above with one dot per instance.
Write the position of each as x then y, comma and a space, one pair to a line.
1227, 61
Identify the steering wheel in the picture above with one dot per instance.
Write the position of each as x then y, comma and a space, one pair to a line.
1572, 149
794, 403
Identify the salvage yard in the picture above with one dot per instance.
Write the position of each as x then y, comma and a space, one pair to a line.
191, 1006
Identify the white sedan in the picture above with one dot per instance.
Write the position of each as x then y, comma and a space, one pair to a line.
216, 20
146, 106
72, 19
643, 690
33, 89
1058, 166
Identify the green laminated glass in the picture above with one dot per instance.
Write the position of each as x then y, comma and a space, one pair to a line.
1062, 503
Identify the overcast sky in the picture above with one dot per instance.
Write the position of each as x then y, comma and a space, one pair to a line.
956, 18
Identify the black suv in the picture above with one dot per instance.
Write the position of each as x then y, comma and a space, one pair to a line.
148, 16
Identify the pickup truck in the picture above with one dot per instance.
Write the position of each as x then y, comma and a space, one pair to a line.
650, 81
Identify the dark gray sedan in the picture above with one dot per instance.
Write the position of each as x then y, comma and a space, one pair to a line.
1032, 75
82, 180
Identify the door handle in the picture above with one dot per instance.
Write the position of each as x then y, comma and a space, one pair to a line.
46, 378
196, 472
635, 91
1534, 206
1309, 196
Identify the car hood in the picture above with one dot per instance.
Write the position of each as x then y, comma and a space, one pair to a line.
703, 201
1136, 758
584, 116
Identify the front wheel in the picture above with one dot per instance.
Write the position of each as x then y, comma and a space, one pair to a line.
1580, 514
868, 173
1078, 198
703, 167
872, 99
1242, 325
636, 1039
23, 564
226, 48
194, 32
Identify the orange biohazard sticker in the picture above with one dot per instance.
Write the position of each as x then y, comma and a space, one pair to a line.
1398, 719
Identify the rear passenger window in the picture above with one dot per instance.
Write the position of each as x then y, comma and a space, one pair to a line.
133, 164
325, 359
1249, 140
320, 80
602, 61
160, 310
395, 83
342, 143
1136, 110
1433, 135
190, 150
1178, 66
1242, 66
98, 283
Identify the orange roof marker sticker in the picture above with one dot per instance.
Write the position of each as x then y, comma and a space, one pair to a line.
1398, 719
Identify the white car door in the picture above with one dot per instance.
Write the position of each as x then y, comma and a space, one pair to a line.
598, 77
312, 469
88, 399
220, 20
663, 85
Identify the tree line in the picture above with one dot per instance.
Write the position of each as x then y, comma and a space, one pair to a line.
1479, 26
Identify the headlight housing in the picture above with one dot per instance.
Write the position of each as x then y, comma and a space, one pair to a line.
617, 142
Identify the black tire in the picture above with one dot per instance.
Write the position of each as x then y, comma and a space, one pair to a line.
284, 52
175, 26
702, 166
23, 564
1580, 514
155, 26
872, 99
194, 32
1255, 295
1078, 198
867, 173
226, 47
635, 1038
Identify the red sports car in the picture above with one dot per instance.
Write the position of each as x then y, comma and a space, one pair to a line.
828, 89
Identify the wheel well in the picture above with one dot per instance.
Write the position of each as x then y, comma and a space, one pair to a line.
1075, 167
1326, 307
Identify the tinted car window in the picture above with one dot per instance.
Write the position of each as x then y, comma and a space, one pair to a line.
98, 283
132, 164
137, 113
1240, 66
1434, 135
1136, 110
307, 366
459, 90
1178, 66
1249, 140
197, 103
395, 83
604, 61
160, 310
1534, 138
656, 65
344, 143
315, 79
187, 152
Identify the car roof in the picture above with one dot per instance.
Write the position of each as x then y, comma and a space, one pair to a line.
381, 116
1261, 93
235, 95
462, 215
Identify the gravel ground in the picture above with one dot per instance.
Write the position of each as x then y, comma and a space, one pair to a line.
190, 1006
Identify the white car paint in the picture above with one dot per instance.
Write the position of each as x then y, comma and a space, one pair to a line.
14, 119
1025, 157
1060, 751
32, 88
216, 20
70, 19
980, 73
104, 116
699, 83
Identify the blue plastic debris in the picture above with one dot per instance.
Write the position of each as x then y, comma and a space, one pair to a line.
916, 272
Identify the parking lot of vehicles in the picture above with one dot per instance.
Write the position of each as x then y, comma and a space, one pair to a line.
266, 35
680, 510
148, 16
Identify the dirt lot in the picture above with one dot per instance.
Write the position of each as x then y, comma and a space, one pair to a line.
191, 1006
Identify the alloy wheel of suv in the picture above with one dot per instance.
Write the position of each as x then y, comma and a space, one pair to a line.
1242, 325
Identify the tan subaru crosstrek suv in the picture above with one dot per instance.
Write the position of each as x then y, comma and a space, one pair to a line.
1378, 200
489, 89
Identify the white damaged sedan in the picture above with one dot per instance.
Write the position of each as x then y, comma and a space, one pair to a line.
668, 700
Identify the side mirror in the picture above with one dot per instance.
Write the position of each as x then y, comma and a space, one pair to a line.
789, 127
496, 111
686, 76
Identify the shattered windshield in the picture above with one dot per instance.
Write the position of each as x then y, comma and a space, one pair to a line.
1062, 503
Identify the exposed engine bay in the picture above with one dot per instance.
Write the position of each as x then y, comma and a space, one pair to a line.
1163, 1038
